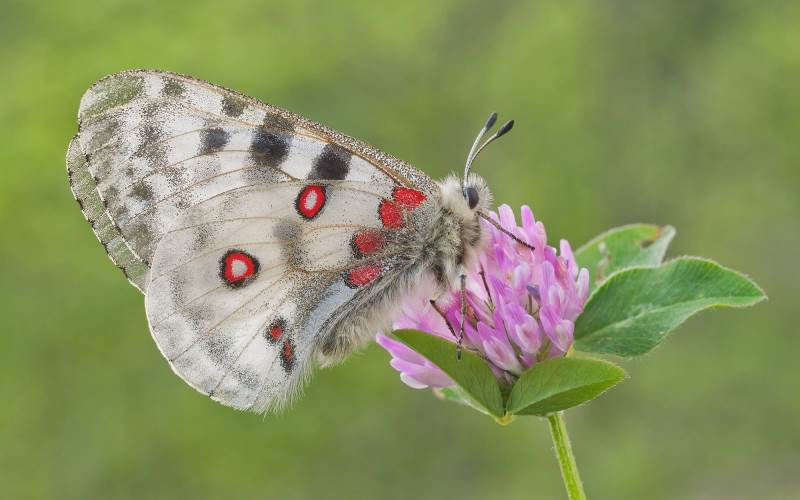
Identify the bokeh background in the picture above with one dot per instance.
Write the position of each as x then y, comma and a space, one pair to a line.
682, 111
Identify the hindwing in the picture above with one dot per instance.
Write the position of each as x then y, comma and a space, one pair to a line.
245, 286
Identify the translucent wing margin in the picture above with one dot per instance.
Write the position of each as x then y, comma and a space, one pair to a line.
84, 189
153, 144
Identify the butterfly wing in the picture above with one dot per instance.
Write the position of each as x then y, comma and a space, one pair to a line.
246, 285
265, 230
84, 189
152, 144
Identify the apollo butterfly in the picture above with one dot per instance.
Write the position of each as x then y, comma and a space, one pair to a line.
265, 243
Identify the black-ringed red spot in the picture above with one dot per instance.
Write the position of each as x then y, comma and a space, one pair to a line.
276, 330
367, 242
237, 268
390, 214
362, 275
310, 201
287, 355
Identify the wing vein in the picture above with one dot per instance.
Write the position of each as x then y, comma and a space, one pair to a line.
233, 363
247, 302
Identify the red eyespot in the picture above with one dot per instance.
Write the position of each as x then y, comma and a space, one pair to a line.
407, 197
367, 241
276, 330
390, 214
236, 268
362, 275
310, 201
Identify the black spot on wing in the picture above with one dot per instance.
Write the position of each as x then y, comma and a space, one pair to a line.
269, 148
173, 88
278, 123
142, 191
332, 163
213, 140
152, 110
151, 145
232, 106
149, 134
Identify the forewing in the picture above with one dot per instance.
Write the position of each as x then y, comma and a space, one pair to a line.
152, 145
246, 282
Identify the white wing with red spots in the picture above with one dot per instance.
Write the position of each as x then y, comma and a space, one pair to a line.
252, 230
248, 283
153, 144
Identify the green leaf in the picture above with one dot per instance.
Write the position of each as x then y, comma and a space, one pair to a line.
456, 394
471, 373
622, 247
561, 383
635, 309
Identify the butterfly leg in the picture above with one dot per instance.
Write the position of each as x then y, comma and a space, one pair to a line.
446, 322
460, 335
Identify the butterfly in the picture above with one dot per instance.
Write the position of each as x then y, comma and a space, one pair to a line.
266, 244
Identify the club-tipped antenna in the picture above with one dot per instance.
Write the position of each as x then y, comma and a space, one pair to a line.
507, 126
475, 150
471, 156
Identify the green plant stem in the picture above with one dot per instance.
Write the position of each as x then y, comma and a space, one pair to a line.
569, 469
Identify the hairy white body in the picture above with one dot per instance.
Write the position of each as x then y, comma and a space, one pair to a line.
434, 256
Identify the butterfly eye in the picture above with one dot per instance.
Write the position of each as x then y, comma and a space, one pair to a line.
471, 194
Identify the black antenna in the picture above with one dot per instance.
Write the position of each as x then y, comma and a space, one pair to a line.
475, 150
507, 126
490, 122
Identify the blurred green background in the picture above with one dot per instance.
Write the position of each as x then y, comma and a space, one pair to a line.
684, 112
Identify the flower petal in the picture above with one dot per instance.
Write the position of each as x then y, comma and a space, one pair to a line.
411, 382
399, 350
428, 374
516, 299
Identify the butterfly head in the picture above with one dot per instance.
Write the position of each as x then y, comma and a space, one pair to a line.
465, 199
